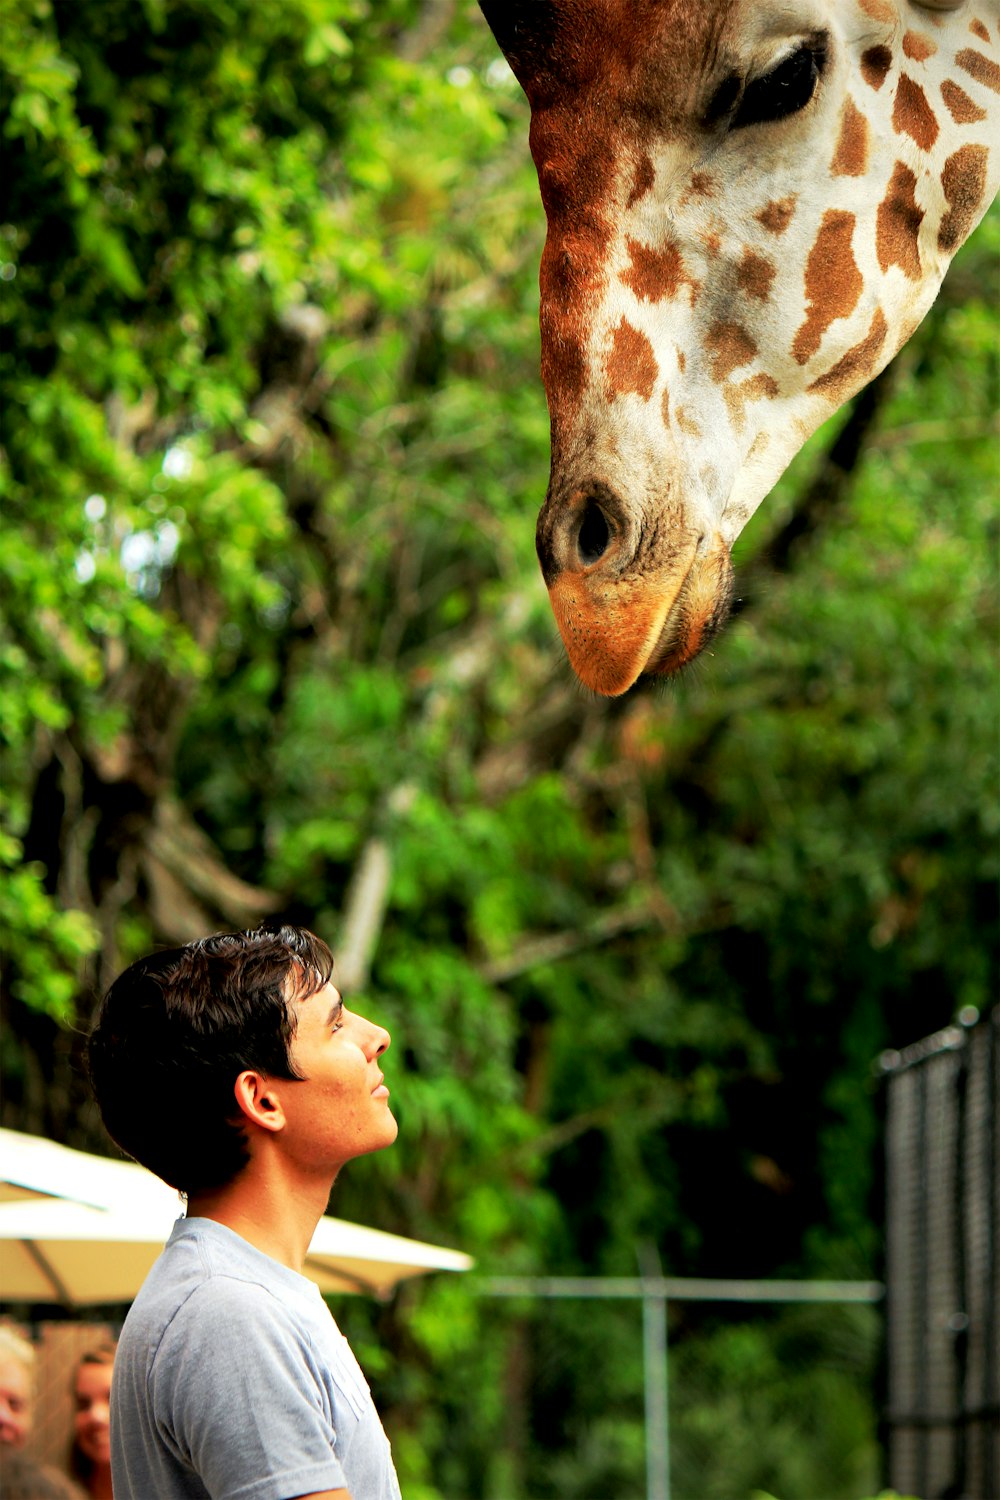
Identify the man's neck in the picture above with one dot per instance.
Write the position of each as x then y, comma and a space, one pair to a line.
274, 1215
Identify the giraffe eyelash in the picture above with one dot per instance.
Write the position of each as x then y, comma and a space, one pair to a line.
784, 91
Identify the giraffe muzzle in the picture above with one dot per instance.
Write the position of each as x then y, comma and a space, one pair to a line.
630, 601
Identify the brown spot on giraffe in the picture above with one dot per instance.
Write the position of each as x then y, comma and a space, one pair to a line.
573, 272
979, 29
981, 68
963, 110
918, 47
964, 183
572, 268
897, 226
655, 274
833, 282
643, 179
665, 407
880, 10
570, 277
730, 347
757, 388
875, 65
855, 367
777, 215
912, 115
564, 367
631, 364
850, 159
687, 423
754, 275
703, 184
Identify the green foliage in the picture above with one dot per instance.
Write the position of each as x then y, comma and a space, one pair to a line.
44, 944
778, 1405
273, 440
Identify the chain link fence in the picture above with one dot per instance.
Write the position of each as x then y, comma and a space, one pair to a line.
694, 1389
942, 1267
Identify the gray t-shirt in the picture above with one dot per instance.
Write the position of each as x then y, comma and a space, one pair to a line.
232, 1381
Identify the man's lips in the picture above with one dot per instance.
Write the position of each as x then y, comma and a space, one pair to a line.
380, 1091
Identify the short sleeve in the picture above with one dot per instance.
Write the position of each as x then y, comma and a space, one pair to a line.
238, 1396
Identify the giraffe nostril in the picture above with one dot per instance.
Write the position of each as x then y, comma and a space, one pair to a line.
594, 534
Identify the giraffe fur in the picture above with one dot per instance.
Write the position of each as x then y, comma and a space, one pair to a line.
751, 205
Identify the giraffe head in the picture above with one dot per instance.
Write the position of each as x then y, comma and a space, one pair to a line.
751, 205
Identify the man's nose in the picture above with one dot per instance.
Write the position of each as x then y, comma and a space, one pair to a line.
380, 1040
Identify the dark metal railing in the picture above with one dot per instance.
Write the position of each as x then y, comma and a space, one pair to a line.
942, 1272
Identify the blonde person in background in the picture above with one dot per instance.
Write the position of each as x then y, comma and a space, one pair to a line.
17, 1389
90, 1453
20, 1477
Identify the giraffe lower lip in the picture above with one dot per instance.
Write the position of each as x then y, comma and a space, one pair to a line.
699, 611
670, 653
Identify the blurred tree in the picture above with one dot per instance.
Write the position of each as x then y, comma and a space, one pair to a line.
275, 642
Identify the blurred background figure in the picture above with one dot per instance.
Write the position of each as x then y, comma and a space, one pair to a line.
21, 1478
25, 1480
90, 1454
17, 1389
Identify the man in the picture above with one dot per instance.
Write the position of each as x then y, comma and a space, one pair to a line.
232, 1069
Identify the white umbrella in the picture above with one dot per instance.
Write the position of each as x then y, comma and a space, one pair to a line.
80, 1230
33, 1167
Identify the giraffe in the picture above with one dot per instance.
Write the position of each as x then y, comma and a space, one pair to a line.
751, 204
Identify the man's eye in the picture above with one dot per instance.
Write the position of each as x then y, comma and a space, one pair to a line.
784, 91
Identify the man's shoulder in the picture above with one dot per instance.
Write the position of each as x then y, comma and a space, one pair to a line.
203, 1286
203, 1250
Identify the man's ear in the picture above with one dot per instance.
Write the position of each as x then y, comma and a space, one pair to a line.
258, 1101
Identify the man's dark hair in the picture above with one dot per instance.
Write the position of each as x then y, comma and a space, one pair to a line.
176, 1029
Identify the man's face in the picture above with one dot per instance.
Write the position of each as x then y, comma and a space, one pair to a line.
15, 1401
340, 1107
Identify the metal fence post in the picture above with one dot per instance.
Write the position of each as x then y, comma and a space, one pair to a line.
656, 1384
655, 1290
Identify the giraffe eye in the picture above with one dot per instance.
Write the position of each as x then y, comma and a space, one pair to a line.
784, 91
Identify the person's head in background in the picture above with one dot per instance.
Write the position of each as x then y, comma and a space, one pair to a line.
90, 1453
17, 1387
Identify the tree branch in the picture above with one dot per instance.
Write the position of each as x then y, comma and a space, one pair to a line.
188, 882
364, 913
551, 947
